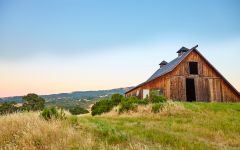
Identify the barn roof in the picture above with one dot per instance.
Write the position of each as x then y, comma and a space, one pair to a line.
168, 67
173, 64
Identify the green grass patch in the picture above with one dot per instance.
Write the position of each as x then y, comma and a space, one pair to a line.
200, 126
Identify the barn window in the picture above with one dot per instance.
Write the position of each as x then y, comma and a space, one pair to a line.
145, 93
193, 67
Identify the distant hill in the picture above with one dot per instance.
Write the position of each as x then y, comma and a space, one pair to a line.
87, 94
69, 99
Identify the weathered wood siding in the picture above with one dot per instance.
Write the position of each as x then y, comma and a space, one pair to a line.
157, 84
202, 89
177, 88
227, 94
209, 85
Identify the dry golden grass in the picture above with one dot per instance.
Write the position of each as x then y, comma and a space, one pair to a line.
29, 131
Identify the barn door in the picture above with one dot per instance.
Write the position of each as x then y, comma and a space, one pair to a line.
190, 90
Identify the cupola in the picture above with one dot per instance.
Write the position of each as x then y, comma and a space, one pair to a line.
182, 50
163, 63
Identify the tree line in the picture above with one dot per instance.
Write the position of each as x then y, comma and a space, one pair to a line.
33, 102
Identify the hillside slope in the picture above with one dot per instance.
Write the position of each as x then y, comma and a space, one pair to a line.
197, 126
66, 100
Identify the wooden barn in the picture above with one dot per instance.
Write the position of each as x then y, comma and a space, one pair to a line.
189, 77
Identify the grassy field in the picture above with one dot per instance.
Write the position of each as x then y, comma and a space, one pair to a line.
197, 126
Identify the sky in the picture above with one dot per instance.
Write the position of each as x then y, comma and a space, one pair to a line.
71, 45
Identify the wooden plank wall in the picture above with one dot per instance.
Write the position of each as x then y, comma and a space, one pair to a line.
208, 83
202, 89
227, 94
177, 88
159, 83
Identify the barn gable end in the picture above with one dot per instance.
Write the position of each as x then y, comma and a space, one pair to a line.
172, 80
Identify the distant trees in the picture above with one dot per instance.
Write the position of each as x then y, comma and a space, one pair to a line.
77, 110
33, 102
8, 107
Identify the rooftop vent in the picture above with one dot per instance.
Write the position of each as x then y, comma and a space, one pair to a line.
163, 63
182, 50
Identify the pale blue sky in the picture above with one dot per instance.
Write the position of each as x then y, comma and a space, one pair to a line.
67, 45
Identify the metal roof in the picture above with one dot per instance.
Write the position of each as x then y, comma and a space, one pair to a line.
168, 67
